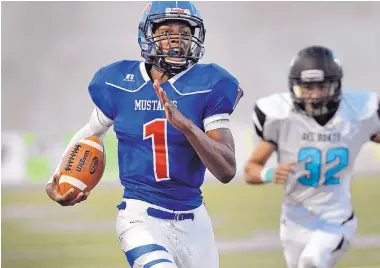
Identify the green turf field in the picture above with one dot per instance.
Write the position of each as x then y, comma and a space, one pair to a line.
37, 233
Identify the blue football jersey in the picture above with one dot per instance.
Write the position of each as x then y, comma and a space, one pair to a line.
157, 164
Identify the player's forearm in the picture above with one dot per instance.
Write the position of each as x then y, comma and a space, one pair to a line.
98, 125
252, 173
217, 157
83, 133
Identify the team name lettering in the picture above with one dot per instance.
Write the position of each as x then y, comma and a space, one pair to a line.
150, 105
321, 137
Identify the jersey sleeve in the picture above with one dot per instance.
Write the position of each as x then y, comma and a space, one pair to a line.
222, 99
100, 94
266, 125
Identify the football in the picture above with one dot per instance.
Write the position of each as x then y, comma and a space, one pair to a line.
82, 166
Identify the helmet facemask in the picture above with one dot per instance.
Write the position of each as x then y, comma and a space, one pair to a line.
172, 52
316, 98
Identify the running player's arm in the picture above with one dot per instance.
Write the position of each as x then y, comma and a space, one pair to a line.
215, 148
100, 121
215, 144
98, 125
261, 153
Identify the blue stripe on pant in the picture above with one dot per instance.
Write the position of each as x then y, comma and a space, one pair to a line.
137, 252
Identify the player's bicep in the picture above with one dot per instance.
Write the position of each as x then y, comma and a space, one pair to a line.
223, 136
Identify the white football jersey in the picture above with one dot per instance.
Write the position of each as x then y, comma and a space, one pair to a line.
325, 155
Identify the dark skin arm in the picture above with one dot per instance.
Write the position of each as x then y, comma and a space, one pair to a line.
215, 148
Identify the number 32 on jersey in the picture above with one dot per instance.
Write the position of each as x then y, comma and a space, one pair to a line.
315, 160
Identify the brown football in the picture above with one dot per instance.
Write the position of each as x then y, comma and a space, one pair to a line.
82, 166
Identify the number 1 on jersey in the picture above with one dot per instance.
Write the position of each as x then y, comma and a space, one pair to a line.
157, 130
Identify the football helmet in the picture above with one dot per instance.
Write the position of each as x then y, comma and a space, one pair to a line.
315, 80
189, 47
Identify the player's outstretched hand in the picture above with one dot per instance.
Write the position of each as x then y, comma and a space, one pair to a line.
173, 115
282, 171
68, 199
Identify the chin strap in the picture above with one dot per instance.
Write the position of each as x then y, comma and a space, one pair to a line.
168, 69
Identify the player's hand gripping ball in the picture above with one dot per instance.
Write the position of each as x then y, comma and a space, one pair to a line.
82, 166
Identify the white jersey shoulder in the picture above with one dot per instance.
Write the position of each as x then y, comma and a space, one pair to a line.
359, 104
276, 106
269, 113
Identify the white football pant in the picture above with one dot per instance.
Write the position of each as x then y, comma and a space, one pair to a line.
315, 245
148, 241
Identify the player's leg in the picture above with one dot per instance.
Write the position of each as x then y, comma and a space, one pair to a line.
196, 241
142, 238
350, 228
327, 245
320, 249
293, 238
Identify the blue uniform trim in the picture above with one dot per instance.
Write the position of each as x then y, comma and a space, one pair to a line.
133, 254
122, 206
165, 215
150, 264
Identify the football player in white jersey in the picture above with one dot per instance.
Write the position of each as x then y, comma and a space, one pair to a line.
317, 130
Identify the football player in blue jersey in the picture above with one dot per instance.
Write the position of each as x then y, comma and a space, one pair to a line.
171, 118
